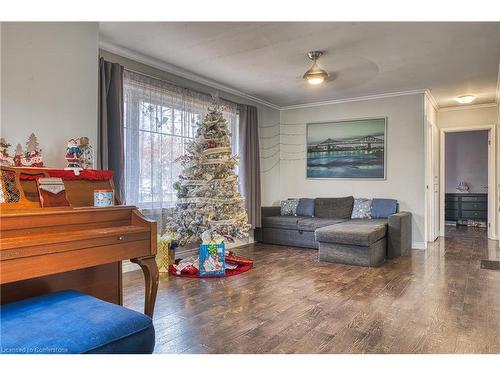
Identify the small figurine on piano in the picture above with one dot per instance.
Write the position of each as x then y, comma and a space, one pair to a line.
73, 154
79, 154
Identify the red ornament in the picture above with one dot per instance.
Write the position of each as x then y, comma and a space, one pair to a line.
211, 144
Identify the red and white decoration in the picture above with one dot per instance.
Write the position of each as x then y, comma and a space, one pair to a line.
32, 157
188, 267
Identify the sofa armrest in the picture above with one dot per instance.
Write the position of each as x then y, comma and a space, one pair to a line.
270, 211
399, 234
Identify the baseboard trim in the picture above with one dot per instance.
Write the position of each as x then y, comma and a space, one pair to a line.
419, 245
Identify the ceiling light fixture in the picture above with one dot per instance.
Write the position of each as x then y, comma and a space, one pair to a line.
465, 99
315, 75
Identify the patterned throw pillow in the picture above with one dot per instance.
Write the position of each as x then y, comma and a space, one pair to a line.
362, 209
289, 207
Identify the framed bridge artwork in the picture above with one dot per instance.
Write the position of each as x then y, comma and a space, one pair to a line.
351, 149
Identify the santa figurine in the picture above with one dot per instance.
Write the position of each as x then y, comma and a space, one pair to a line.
73, 153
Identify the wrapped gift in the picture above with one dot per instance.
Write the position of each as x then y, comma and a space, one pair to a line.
212, 260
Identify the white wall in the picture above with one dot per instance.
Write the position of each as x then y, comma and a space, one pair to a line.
467, 116
49, 84
405, 155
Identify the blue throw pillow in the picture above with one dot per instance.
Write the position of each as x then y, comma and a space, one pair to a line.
382, 208
305, 207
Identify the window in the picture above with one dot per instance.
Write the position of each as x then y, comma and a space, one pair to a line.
160, 119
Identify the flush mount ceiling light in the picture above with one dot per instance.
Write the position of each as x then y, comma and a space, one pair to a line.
315, 75
465, 99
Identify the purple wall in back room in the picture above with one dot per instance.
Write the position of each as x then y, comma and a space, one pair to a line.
466, 160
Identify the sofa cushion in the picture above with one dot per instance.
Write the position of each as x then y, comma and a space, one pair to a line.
310, 224
353, 232
334, 208
289, 207
281, 222
382, 208
72, 322
306, 207
362, 208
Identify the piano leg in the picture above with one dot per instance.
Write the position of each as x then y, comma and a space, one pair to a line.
151, 278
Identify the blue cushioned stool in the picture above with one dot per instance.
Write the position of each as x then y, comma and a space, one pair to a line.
73, 322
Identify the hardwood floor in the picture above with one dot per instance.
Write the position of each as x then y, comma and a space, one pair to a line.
434, 301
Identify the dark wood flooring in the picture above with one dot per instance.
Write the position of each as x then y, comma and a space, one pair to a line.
434, 301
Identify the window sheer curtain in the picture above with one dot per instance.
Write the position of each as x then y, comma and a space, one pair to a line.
160, 119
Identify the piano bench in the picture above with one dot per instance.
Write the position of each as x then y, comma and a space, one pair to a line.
73, 322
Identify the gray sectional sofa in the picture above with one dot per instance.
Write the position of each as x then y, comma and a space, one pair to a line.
340, 239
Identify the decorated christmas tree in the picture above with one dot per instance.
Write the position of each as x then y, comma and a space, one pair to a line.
209, 206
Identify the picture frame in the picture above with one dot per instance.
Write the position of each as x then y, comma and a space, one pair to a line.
354, 149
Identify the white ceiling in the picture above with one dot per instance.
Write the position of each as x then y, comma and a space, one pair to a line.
267, 59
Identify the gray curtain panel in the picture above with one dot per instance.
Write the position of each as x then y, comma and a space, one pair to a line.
110, 154
250, 162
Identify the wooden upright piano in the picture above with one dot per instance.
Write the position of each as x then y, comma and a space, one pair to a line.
80, 247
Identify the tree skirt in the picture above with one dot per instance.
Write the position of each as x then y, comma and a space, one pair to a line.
242, 265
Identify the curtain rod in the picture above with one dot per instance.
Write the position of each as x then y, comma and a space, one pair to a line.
176, 84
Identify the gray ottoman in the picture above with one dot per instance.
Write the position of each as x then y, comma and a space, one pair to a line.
358, 242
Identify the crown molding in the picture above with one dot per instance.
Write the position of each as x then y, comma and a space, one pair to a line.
431, 99
354, 99
470, 106
173, 69
180, 72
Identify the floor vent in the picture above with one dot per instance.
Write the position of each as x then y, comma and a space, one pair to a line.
490, 264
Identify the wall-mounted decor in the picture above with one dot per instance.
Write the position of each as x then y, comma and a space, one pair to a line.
347, 149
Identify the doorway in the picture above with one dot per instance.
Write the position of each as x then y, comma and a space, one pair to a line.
467, 178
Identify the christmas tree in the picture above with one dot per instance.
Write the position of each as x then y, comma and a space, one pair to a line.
32, 144
19, 150
209, 206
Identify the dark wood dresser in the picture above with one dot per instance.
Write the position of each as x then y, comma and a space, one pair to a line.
465, 206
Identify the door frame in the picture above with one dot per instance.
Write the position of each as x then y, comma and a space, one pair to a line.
492, 224
432, 177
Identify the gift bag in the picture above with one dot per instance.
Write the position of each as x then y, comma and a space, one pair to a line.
162, 254
212, 260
